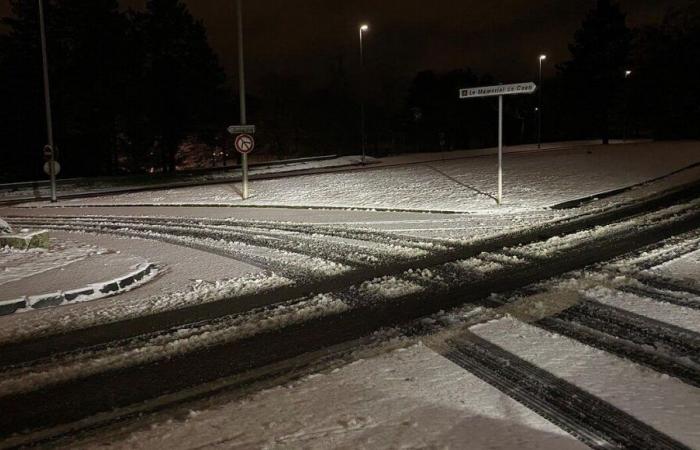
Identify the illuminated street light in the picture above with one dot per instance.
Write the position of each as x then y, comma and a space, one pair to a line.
628, 73
363, 29
539, 108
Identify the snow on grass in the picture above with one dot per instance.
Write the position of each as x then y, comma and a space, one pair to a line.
16, 265
532, 181
663, 402
164, 346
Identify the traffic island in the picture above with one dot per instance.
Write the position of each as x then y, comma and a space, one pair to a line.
141, 274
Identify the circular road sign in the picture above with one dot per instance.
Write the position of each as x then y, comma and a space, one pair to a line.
245, 143
56, 168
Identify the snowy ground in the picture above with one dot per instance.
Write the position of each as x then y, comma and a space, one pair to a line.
532, 181
20, 191
414, 397
196, 255
410, 398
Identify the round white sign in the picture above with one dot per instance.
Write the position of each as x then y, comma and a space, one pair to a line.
56, 168
245, 143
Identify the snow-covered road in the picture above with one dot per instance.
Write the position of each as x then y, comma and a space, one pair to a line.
299, 282
417, 397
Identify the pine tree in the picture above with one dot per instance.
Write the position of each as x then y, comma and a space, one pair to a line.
600, 55
666, 94
84, 49
20, 90
183, 81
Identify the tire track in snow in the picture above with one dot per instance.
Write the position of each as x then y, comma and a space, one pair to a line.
593, 421
648, 292
139, 383
663, 347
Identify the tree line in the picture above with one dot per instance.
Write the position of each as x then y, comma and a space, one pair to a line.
127, 87
142, 91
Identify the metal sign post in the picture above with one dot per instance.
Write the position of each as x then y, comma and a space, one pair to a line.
241, 81
47, 101
500, 149
245, 144
499, 91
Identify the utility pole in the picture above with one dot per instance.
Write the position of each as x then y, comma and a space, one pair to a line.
241, 81
47, 101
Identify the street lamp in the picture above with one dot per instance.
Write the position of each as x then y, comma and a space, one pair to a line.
625, 126
47, 101
363, 29
542, 58
241, 93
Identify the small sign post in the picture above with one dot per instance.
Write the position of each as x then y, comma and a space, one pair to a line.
499, 91
244, 145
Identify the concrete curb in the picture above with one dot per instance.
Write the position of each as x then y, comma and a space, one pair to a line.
91, 292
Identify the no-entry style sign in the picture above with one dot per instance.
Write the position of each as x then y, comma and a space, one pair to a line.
245, 143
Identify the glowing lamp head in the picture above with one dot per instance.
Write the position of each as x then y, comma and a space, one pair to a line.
364, 28
628, 73
543, 57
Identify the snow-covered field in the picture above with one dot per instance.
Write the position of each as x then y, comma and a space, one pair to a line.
532, 181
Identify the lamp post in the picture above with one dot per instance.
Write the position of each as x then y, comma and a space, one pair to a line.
542, 58
363, 29
241, 86
47, 101
628, 73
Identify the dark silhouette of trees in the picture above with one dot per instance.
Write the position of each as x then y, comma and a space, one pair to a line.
86, 60
436, 119
665, 93
125, 86
594, 77
21, 114
130, 88
182, 89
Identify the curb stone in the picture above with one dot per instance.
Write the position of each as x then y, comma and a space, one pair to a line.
96, 290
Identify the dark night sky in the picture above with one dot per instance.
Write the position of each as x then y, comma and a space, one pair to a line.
302, 37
